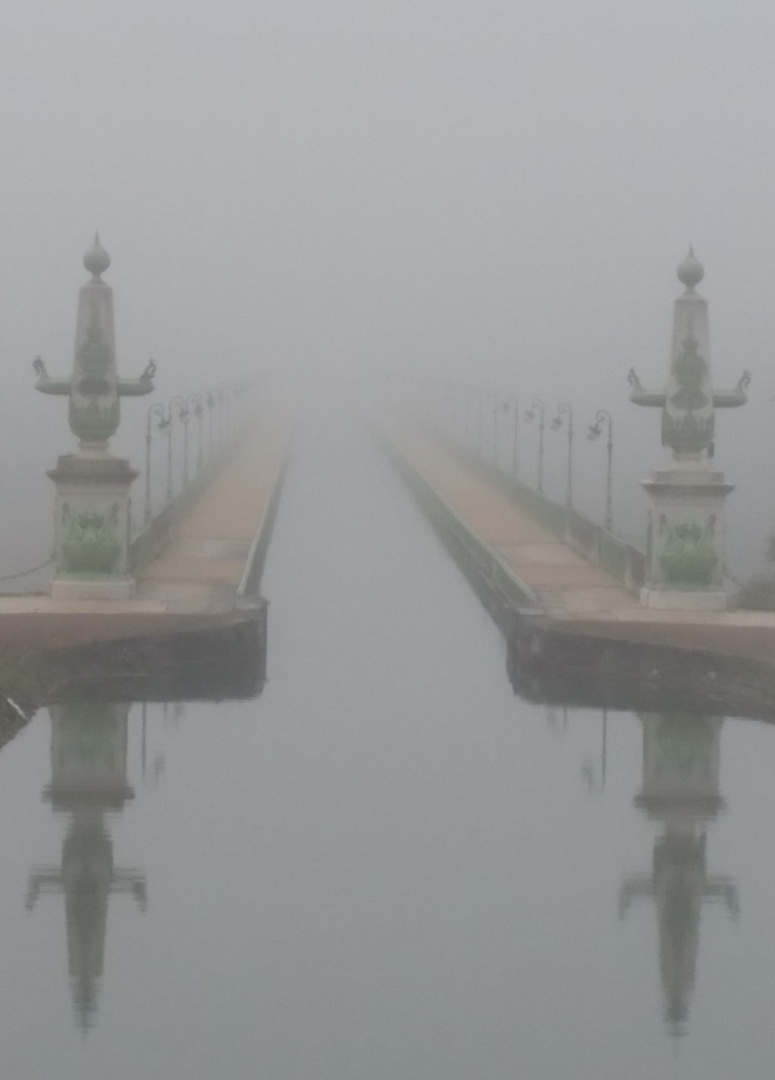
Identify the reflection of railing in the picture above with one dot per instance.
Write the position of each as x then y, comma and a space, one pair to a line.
223, 408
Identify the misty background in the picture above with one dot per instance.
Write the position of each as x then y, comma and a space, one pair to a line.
360, 196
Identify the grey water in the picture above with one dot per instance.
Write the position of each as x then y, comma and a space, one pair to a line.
386, 866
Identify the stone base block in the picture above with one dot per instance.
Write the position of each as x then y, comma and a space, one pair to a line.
104, 589
684, 599
92, 528
685, 539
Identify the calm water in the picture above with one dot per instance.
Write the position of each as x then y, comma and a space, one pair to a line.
387, 866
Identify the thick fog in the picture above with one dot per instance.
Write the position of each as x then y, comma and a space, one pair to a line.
370, 194
389, 865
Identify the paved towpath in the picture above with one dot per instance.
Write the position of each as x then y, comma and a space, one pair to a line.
562, 581
577, 596
201, 567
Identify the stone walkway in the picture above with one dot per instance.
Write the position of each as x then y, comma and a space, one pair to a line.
201, 567
577, 596
562, 581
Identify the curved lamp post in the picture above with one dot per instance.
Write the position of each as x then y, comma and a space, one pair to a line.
228, 406
426, 411
165, 425
183, 416
210, 401
470, 407
509, 404
220, 402
239, 396
194, 401
496, 404
463, 435
479, 421
219, 395
157, 409
245, 389
563, 411
537, 408
603, 416
447, 409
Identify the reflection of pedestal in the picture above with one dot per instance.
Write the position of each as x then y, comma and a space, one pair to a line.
681, 789
88, 780
685, 545
92, 528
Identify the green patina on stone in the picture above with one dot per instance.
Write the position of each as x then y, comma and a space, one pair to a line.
94, 388
96, 421
688, 558
688, 400
91, 546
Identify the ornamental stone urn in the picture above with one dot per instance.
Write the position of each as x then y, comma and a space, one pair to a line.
685, 538
92, 515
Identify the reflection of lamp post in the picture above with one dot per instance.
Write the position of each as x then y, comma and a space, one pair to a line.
603, 416
562, 411
596, 783
157, 409
537, 407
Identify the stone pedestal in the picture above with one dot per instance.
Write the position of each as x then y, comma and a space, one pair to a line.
685, 540
91, 531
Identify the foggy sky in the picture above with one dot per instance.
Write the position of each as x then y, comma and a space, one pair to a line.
355, 190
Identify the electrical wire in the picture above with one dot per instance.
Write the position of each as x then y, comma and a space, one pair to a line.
24, 573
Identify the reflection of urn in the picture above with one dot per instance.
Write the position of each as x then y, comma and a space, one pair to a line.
88, 778
681, 763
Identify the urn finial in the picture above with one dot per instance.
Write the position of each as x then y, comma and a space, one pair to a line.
690, 270
96, 260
